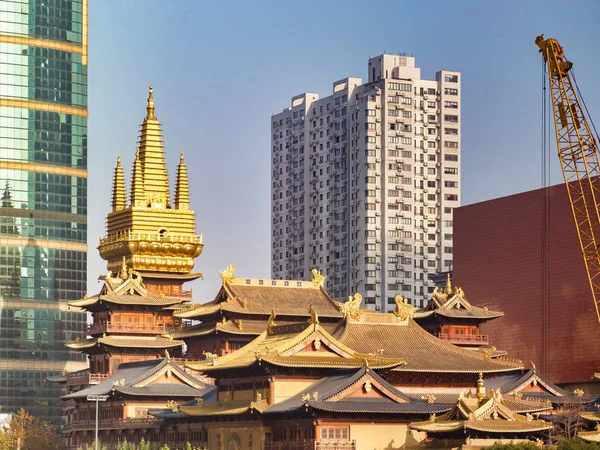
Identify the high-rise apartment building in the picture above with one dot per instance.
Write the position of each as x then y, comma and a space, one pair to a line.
364, 182
43, 215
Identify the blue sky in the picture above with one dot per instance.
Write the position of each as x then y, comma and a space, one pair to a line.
220, 69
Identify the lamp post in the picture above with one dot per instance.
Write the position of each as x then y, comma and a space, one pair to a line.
96, 398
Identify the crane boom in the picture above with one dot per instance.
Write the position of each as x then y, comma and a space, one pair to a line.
578, 155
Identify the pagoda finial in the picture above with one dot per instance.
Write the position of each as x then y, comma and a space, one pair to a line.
150, 104
118, 198
480, 391
448, 289
137, 182
124, 275
182, 190
6, 196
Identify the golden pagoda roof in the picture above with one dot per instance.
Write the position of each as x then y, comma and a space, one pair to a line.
422, 351
590, 436
488, 413
126, 342
452, 303
257, 296
296, 345
125, 289
230, 407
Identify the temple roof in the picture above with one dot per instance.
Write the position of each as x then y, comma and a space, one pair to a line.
148, 378
422, 351
488, 413
125, 289
452, 303
362, 392
296, 345
253, 296
126, 342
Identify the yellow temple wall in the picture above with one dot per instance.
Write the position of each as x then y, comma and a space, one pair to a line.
129, 409
284, 389
240, 436
384, 436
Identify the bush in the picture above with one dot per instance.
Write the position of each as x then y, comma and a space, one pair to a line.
578, 444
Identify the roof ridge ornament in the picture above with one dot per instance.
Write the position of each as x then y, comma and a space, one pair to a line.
150, 105
271, 323
318, 279
351, 308
227, 275
404, 310
314, 318
448, 289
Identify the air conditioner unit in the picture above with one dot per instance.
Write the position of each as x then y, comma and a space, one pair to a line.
377, 174
378, 241
378, 214
377, 307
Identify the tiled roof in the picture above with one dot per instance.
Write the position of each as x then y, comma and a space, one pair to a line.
126, 342
229, 408
137, 379
297, 345
589, 436
259, 297
422, 351
453, 303
333, 397
491, 414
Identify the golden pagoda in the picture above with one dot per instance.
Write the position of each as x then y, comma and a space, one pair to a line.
155, 237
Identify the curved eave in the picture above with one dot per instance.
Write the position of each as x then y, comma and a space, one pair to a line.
457, 314
327, 363
364, 408
88, 343
506, 426
589, 436
198, 311
438, 427
141, 344
407, 368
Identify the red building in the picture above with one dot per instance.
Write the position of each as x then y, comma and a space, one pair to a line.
510, 259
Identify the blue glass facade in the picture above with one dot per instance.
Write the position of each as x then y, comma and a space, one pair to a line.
43, 206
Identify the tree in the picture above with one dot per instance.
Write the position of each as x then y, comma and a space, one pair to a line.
26, 432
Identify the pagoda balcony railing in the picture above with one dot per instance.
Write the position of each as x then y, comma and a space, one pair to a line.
112, 424
103, 327
85, 378
153, 237
310, 445
477, 339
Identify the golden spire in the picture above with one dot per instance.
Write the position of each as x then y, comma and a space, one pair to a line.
480, 391
152, 159
124, 273
119, 200
448, 289
182, 191
137, 183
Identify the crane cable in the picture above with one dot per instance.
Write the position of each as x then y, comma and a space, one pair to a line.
587, 113
545, 218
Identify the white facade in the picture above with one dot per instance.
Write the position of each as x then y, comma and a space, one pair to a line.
364, 182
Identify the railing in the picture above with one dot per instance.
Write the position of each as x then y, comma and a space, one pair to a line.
479, 339
81, 378
310, 445
170, 237
171, 444
109, 424
124, 328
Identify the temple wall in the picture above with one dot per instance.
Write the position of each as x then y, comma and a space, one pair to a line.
384, 436
242, 436
284, 389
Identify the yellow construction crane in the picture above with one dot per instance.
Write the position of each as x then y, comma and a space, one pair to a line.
578, 154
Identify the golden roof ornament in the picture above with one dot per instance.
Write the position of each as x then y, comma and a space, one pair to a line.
167, 355
351, 308
124, 274
431, 398
119, 199
137, 182
271, 323
227, 275
314, 318
404, 310
448, 289
480, 391
210, 358
172, 405
239, 324
318, 279
367, 386
150, 104
182, 190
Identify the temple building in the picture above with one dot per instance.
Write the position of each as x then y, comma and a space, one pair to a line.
239, 312
449, 316
150, 247
360, 384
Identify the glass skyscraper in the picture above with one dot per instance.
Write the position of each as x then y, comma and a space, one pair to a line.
43, 197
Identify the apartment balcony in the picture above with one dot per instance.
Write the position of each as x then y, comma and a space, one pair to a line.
465, 339
310, 445
85, 378
112, 424
141, 328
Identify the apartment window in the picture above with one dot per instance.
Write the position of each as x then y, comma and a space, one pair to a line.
406, 154
430, 131
370, 206
406, 221
450, 91
370, 152
451, 157
393, 273
369, 220
448, 237
406, 234
406, 100
451, 170
450, 144
407, 114
369, 126
405, 207
447, 210
393, 206
406, 140
370, 180
450, 118
393, 180
430, 250
452, 197
392, 287
393, 247
370, 273
393, 220
431, 117
370, 260
394, 153
451, 184
369, 233
370, 139
447, 249
370, 247
405, 180
451, 78
392, 260
451, 105
430, 171
393, 99
393, 233
370, 193
400, 87
393, 139
406, 261
431, 104
370, 112
394, 112
451, 131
